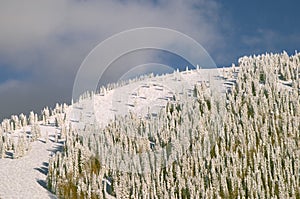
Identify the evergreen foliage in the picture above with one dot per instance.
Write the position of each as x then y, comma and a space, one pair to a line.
249, 150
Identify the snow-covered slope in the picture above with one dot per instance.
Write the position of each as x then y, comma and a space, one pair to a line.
256, 143
141, 97
25, 177
243, 145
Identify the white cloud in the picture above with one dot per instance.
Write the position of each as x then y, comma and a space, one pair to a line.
51, 38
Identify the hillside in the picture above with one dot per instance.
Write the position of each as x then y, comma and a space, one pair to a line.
232, 132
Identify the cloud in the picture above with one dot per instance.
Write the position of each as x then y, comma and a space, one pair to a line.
265, 36
50, 39
268, 40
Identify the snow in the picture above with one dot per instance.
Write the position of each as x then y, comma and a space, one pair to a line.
26, 177
141, 97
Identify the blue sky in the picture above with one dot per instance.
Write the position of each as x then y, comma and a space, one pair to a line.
260, 26
43, 43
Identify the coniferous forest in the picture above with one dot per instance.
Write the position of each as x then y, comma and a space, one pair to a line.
242, 143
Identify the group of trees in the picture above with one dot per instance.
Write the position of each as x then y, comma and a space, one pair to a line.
243, 144
246, 144
15, 136
110, 86
15, 143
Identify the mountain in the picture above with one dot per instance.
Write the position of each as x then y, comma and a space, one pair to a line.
231, 132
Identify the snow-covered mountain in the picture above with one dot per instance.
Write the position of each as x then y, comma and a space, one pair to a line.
231, 132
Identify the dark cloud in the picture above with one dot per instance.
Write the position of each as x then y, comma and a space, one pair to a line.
44, 42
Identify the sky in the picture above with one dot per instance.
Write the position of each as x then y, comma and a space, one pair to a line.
44, 42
